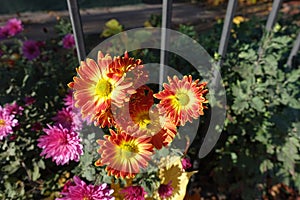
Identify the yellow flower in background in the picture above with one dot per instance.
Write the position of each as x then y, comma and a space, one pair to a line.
112, 27
174, 178
238, 19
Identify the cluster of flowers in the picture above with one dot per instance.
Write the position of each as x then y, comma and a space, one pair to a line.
173, 177
9, 115
31, 49
62, 142
111, 92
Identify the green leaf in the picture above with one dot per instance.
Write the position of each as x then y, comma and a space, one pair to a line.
36, 172
258, 104
265, 166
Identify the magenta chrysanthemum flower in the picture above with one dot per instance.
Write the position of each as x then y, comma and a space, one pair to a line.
186, 163
14, 26
61, 144
29, 100
79, 190
31, 49
134, 193
165, 191
4, 32
68, 41
7, 122
68, 119
68, 100
37, 126
14, 108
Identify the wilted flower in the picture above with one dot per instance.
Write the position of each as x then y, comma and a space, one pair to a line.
31, 49
68, 41
61, 144
7, 122
79, 190
29, 100
37, 126
134, 193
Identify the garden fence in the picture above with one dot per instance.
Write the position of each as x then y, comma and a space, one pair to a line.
166, 23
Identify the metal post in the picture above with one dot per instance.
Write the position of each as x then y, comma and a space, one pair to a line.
166, 24
273, 15
77, 29
294, 51
231, 8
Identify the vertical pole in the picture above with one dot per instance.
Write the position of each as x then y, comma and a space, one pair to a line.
294, 51
77, 28
273, 15
166, 24
272, 18
231, 8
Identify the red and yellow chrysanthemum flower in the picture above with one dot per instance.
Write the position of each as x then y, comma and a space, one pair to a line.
135, 72
123, 154
143, 114
95, 88
182, 100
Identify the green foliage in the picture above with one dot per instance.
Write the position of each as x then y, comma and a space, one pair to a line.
262, 142
23, 172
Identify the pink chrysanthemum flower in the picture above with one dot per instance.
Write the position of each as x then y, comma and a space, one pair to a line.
61, 144
7, 122
37, 126
14, 26
79, 190
123, 154
95, 90
68, 41
134, 193
68, 119
68, 100
29, 100
14, 108
165, 190
4, 32
31, 49
186, 163
182, 100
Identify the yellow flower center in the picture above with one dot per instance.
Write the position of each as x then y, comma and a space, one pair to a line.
2, 122
182, 98
128, 149
103, 88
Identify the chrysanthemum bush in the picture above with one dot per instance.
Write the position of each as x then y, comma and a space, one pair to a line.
97, 132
